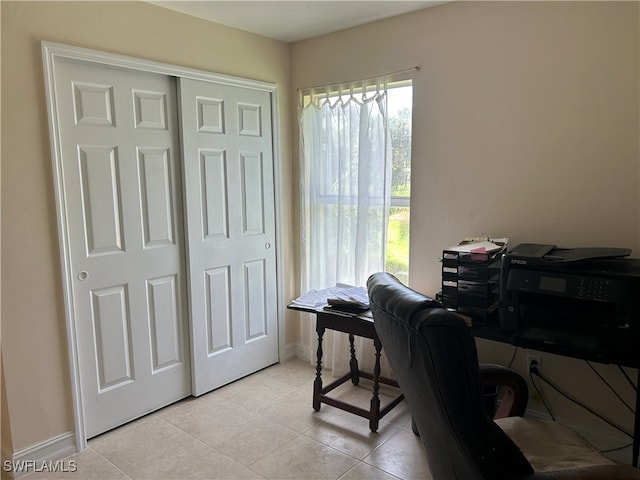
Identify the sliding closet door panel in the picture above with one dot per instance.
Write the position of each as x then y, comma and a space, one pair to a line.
229, 194
122, 184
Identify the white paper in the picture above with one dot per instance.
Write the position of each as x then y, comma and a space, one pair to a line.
319, 298
476, 247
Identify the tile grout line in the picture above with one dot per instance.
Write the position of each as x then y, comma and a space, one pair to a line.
109, 462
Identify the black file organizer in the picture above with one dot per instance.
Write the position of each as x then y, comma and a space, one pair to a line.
470, 284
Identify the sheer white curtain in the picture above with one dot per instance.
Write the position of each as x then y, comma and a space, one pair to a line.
346, 192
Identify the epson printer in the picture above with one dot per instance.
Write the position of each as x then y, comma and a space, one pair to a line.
585, 299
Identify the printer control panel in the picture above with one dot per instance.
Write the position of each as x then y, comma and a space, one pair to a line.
593, 288
580, 287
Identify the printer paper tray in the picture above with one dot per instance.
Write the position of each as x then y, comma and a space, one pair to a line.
588, 348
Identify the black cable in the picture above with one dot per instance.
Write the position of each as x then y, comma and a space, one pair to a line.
633, 385
589, 409
540, 394
610, 387
617, 448
513, 357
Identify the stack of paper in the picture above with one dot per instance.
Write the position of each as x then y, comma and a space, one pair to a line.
338, 296
311, 299
476, 247
352, 298
486, 245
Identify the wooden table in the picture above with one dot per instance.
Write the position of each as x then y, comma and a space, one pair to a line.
353, 325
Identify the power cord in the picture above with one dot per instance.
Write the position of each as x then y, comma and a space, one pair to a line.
534, 371
513, 357
613, 390
609, 450
633, 385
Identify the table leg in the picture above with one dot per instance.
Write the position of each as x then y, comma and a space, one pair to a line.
375, 400
317, 383
353, 363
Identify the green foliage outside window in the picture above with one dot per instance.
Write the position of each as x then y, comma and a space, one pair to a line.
397, 260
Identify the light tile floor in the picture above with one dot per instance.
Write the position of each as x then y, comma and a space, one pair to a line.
260, 427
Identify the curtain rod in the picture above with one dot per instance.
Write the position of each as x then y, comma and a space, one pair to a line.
397, 72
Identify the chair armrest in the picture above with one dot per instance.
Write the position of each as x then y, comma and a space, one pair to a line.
596, 472
515, 395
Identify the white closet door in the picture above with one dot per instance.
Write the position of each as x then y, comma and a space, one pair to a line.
229, 196
120, 162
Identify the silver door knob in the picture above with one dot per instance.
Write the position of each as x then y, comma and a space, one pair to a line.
267, 245
83, 275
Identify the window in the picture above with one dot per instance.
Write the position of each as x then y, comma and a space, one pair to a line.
355, 182
400, 104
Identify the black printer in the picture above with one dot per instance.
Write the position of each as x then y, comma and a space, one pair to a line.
585, 299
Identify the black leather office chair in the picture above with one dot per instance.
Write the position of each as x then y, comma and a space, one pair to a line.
433, 357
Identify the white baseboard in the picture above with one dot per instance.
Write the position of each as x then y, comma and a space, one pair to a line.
296, 350
304, 353
290, 352
39, 457
598, 438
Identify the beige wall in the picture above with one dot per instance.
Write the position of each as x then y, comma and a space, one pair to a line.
525, 120
525, 125
34, 349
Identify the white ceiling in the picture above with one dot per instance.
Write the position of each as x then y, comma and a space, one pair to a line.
293, 20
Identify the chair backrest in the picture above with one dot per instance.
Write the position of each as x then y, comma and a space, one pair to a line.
433, 357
